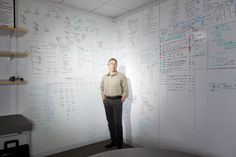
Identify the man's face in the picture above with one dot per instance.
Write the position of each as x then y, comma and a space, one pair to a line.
112, 66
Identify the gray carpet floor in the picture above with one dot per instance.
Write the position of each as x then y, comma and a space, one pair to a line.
88, 150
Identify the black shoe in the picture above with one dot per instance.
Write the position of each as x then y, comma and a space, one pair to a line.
111, 145
119, 146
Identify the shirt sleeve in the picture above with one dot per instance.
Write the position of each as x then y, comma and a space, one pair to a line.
102, 85
125, 89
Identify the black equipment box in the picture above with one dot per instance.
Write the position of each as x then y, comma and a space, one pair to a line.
16, 151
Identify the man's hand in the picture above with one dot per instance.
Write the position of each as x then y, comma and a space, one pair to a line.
122, 99
103, 97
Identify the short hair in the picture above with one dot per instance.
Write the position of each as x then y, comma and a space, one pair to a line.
112, 59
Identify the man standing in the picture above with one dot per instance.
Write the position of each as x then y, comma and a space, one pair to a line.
114, 90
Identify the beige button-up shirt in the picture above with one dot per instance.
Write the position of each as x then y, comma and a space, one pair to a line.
114, 85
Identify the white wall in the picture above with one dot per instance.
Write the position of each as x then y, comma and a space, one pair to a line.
136, 46
68, 51
197, 66
178, 57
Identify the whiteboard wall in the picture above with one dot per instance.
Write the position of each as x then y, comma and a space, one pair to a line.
68, 52
136, 46
197, 72
178, 57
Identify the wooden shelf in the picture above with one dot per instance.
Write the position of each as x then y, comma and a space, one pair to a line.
12, 31
13, 54
7, 82
5, 30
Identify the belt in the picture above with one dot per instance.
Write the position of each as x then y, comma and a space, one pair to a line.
114, 97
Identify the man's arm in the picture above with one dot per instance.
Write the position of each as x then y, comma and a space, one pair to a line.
125, 89
102, 89
103, 96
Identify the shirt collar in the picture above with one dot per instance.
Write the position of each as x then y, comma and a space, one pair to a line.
108, 74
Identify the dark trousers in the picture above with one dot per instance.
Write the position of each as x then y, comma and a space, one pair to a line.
113, 108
